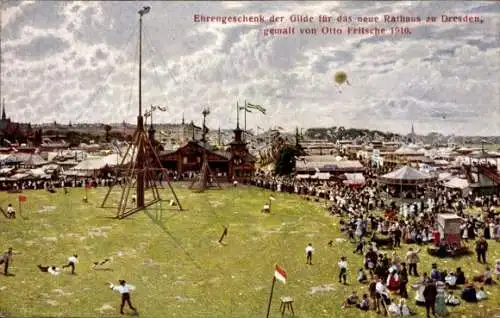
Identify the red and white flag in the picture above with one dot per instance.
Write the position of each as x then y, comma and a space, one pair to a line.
280, 274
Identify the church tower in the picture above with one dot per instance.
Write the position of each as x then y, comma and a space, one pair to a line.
413, 136
241, 164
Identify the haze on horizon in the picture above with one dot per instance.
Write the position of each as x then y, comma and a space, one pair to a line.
77, 61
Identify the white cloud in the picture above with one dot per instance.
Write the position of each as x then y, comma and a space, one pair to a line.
78, 62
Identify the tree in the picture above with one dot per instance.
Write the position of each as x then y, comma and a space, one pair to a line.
286, 160
107, 129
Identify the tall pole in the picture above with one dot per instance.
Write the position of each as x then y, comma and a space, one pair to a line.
152, 116
270, 298
245, 125
3, 105
140, 123
237, 116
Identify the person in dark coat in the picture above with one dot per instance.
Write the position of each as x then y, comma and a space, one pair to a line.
5, 259
403, 275
481, 248
430, 293
469, 294
461, 280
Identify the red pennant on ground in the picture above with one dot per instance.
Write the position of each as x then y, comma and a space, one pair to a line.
22, 198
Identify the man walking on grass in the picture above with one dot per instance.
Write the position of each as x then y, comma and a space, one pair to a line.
72, 261
124, 289
309, 254
5, 259
343, 270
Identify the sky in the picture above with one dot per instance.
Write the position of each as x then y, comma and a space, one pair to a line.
78, 62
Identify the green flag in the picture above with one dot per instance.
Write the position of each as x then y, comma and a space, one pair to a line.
256, 107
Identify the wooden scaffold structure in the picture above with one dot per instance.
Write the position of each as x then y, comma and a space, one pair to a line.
145, 168
206, 179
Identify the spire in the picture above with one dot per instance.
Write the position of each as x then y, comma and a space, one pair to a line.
183, 119
412, 129
4, 117
192, 126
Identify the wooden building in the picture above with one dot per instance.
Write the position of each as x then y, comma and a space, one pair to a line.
189, 157
235, 163
242, 163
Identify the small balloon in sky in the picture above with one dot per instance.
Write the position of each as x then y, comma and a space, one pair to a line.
341, 78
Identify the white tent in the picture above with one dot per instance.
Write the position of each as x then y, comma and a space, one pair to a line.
90, 164
354, 179
321, 175
457, 183
444, 176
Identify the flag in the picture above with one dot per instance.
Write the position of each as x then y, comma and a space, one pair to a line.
245, 109
280, 274
22, 198
88, 185
272, 198
256, 107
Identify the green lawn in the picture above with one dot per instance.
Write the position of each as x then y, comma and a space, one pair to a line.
175, 262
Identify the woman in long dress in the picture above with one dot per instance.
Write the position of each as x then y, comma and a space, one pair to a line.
440, 305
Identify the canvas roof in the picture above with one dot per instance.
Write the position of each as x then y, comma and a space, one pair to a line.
457, 183
354, 178
406, 175
34, 160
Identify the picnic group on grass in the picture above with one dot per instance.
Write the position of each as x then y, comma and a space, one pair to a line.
387, 274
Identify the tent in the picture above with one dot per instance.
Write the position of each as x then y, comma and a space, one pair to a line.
354, 179
459, 184
406, 176
321, 176
34, 160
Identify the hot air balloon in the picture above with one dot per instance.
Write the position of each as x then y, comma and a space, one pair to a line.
341, 79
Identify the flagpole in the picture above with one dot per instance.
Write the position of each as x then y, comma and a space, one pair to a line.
270, 298
245, 124
237, 115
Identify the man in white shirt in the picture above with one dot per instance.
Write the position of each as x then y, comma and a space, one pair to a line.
343, 270
309, 254
11, 213
124, 289
72, 261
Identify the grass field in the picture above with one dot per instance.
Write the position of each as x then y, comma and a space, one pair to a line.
175, 262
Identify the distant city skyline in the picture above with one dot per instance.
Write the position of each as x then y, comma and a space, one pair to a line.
77, 61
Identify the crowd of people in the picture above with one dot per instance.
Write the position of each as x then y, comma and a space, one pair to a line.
373, 219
